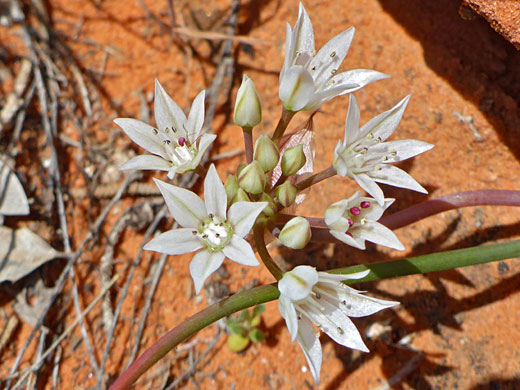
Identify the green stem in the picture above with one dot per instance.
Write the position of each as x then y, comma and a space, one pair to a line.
282, 125
248, 143
316, 178
242, 300
264, 253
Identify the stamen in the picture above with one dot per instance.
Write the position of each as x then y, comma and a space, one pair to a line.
370, 136
340, 331
167, 130
363, 221
393, 153
350, 222
384, 158
377, 168
166, 142
204, 236
331, 82
313, 68
210, 215
349, 234
355, 211
333, 71
314, 53
194, 232
155, 131
365, 204
379, 139
318, 296
333, 54
181, 141
364, 151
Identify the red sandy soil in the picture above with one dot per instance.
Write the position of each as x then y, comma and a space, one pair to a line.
465, 322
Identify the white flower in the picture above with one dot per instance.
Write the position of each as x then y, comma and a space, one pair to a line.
353, 221
308, 296
207, 227
308, 79
364, 156
176, 144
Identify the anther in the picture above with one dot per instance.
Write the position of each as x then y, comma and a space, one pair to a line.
333, 54
210, 215
350, 222
314, 53
370, 136
313, 68
194, 232
166, 142
204, 236
340, 331
365, 204
331, 82
181, 141
349, 234
364, 151
377, 168
379, 139
363, 221
318, 296
217, 235
333, 71
393, 153
355, 211
384, 158
155, 131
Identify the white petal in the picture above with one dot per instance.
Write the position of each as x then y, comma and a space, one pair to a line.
242, 216
142, 134
375, 211
175, 242
203, 264
298, 283
205, 141
147, 161
240, 251
335, 211
368, 184
358, 77
357, 305
304, 40
403, 149
378, 234
289, 49
288, 312
325, 62
352, 121
340, 163
337, 325
383, 125
396, 177
196, 117
296, 88
167, 113
334, 279
186, 207
215, 195
356, 243
309, 340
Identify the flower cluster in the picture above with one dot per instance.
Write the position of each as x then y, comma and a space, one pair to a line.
273, 179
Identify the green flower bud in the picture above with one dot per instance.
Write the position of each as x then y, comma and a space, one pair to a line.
266, 153
248, 107
239, 168
292, 160
231, 187
241, 196
271, 208
252, 178
296, 233
286, 193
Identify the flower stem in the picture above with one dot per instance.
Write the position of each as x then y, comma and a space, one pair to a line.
264, 253
248, 143
449, 202
242, 300
285, 118
316, 178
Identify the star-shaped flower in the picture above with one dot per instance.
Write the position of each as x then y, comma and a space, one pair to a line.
308, 296
354, 220
364, 156
308, 79
207, 227
176, 144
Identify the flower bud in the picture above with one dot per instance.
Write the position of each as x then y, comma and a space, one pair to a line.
271, 208
296, 233
292, 160
231, 187
248, 107
266, 153
286, 193
241, 196
252, 178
